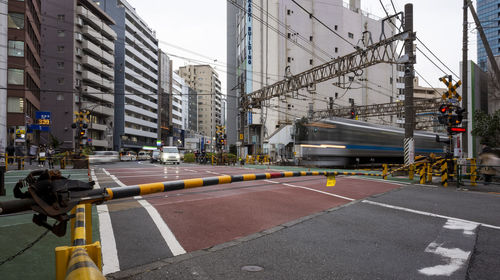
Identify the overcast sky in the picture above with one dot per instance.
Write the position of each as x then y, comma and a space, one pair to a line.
199, 26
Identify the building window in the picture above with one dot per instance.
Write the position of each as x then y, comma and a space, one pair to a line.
351, 78
335, 27
60, 65
16, 48
310, 38
310, 62
350, 35
78, 36
60, 49
289, 35
78, 51
60, 33
78, 82
16, 20
78, 67
288, 12
60, 18
15, 76
15, 105
336, 50
289, 59
60, 81
336, 95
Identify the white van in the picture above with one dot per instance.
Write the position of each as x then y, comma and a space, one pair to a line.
170, 154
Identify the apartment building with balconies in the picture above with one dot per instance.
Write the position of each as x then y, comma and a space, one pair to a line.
205, 81
136, 78
78, 50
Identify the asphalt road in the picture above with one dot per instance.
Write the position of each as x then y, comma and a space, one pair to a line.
296, 228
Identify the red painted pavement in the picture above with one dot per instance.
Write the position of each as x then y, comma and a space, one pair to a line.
207, 216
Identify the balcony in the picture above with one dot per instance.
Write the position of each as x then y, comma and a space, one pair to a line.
139, 77
140, 122
141, 111
98, 109
95, 93
96, 126
96, 79
139, 132
95, 21
101, 143
97, 51
98, 66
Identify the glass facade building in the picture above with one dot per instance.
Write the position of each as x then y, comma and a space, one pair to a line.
488, 12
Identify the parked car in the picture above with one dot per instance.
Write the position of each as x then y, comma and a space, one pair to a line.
143, 155
129, 156
155, 156
170, 154
104, 157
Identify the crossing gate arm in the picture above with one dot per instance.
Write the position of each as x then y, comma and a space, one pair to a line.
144, 189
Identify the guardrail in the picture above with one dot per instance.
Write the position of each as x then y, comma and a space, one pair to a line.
63, 161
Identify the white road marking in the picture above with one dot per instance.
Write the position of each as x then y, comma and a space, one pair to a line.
174, 245
211, 172
455, 258
105, 171
428, 214
108, 242
306, 188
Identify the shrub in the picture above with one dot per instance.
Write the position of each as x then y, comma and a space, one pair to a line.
189, 157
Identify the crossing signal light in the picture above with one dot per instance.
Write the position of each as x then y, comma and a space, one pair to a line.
456, 130
82, 132
353, 113
443, 108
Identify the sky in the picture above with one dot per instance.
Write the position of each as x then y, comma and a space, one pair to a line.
196, 31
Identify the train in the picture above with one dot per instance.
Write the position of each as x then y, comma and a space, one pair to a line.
348, 142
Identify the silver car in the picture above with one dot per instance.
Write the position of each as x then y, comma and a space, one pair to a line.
104, 157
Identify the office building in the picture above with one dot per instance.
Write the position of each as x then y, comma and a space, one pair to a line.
78, 71
488, 12
261, 56
164, 98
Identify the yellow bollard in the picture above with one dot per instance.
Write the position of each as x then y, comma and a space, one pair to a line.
444, 174
429, 172
411, 173
6, 163
384, 172
473, 172
422, 174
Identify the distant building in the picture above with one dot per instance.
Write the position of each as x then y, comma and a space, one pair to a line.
177, 123
164, 98
205, 81
488, 12
192, 110
136, 78
78, 50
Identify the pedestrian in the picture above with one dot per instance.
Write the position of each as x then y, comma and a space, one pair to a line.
488, 161
41, 156
32, 153
10, 153
50, 157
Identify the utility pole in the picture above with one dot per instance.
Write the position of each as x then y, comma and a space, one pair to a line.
465, 75
409, 144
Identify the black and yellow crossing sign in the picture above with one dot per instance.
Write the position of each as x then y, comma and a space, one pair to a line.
452, 89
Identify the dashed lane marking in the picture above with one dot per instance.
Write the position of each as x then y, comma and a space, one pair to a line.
428, 214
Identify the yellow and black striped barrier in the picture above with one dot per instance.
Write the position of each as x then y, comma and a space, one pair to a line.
144, 189
83, 259
444, 174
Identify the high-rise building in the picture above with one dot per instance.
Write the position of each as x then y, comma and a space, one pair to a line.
164, 97
176, 97
20, 71
78, 70
192, 110
275, 39
488, 12
205, 81
136, 78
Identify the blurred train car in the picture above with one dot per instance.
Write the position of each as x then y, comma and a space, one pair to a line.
345, 142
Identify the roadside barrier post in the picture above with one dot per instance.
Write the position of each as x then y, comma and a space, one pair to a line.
473, 172
422, 173
444, 174
429, 172
6, 163
2, 180
82, 260
18, 159
384, 172
411, 173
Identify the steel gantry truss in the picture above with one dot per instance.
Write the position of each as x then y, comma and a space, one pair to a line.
376, 110
384, 51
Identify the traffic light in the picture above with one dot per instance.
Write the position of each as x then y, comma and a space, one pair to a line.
443, 109
82, 132
353, 113
456, 130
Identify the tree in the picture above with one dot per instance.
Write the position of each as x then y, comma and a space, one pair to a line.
487, 127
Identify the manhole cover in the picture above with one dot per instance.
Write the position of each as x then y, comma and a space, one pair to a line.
252, 268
